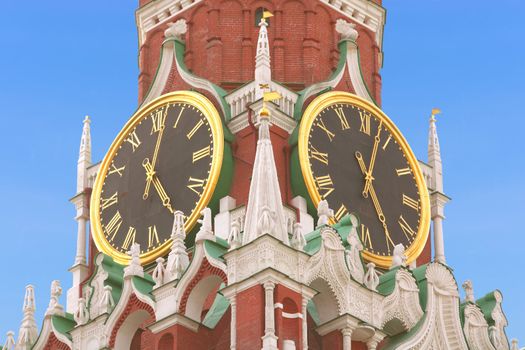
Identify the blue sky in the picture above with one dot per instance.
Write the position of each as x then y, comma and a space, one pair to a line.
62, 60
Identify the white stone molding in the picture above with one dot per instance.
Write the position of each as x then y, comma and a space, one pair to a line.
134, 268
269, 338
304, 311
233, 322
476, 328
82, 314
54, 307
366, 13
353, 254
28, 332
497, 331
172, 320
371, 278
401, 305
441, 329
166, 61
159, 12
347, 338
45, 333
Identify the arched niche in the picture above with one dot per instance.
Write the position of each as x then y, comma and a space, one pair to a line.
198, 295
325, 301
129, 328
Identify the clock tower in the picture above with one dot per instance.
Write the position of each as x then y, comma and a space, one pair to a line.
260, 198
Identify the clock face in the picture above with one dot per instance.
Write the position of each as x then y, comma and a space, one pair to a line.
167, 158
353, 156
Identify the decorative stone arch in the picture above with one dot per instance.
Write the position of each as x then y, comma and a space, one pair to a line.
206, 281
325, 301
53, 343
50, 338
135, 313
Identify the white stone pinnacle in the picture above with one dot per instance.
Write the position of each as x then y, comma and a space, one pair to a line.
54, 307
178, 259
10, 341
265, 210
84, 156
134, 268
263, 71
28, 331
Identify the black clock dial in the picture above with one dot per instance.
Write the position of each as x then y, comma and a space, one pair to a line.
358, 162
163, 161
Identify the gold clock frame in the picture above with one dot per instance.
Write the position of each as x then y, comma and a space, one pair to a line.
336, 97
212, 115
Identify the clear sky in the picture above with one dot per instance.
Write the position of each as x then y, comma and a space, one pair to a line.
61, 60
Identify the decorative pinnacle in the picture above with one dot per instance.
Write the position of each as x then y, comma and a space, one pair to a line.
435, 111
87, 119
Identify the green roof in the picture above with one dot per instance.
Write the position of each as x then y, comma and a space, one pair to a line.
218, 309
216, 249
63, 324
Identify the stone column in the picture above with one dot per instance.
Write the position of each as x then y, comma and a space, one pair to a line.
80, 257
233, 322
439, 245
347, 338
305, 324
269, 338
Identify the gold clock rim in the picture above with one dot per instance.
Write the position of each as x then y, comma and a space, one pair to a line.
334, 97
214, 119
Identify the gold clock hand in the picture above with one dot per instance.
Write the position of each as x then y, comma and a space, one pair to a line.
166, 201
149, 176
375, 201
368, 175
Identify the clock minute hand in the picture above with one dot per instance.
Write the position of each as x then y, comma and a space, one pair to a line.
166, 201
149, 175
368, 174
375, 201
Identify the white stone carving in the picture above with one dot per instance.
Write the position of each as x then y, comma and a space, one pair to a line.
107, 303
371, 278
96, 288
10, 341
399, 258
235, 237
82, 314
178, 259
353, 254
497, 331
324, 213
28, 331
159, 274
476, 329
54, 307
346, 29
134, 268
298, 241
176, 29
206, 230
469, 291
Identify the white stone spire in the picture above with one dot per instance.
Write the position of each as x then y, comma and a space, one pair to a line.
84, 156
263, 72
437, 197
28, 331
10, 341
264, 212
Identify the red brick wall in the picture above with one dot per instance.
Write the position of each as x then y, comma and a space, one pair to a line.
250, 318
221, 39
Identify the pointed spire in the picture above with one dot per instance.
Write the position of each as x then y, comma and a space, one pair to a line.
434, 153
263, 72
84, 155
178, 259
10, 341
264, 212
28, 331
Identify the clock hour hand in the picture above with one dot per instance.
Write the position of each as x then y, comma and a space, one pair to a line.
166, 201
375, 201
368, 174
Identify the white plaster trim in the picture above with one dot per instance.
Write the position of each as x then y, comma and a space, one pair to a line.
287, 314
159, 12
45, 333
172, 320
278, 117
167, 57
354, 70
344, 321
318, 87
366, 13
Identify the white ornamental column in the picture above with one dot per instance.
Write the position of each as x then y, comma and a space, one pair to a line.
269, 338
233, 322
347, 338
305, 323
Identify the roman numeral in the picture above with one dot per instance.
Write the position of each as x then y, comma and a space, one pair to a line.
365, 236
342, 211
114, 170
108, 202
324, 183
158, 118
195, 184
365, 122
178, 117
342, 118
205, 152
410, 202
195, 128
113, 226
322, 157
321, 126
407, 230
130, 238
133, 140
387, 141
404, 171
153, 236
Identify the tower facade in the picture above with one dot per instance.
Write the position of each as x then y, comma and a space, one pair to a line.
260, 199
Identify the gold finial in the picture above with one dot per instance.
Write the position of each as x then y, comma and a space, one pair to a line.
435, 111
267, 14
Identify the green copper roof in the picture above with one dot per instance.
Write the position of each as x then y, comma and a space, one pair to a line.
216, 249
314, 239
387, 282
487, 305
218, 309
421, 280
63, 324
395, 341
144, 285
115, 277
